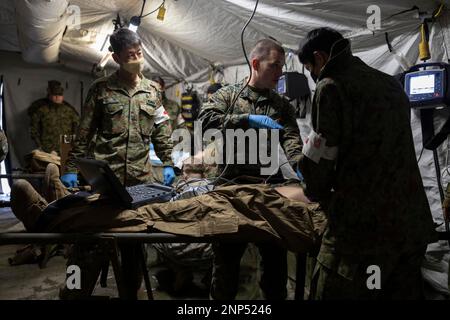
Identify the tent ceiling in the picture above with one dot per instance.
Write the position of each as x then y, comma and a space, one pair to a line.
198, 33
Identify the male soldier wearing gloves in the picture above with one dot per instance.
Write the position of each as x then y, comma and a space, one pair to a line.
257, 107
52, 117
359, 163
125, 113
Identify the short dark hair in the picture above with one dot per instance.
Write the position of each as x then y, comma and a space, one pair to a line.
122, 39
213, 88
321, 39
190, 166
263, 47
159, 80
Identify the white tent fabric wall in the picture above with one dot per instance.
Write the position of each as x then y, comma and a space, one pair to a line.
23, 85
198, 33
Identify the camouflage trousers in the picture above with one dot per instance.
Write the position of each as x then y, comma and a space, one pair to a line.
344, 277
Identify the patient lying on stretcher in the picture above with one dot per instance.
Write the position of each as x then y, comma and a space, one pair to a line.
281, 213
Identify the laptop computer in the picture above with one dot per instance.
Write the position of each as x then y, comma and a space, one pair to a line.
102, 179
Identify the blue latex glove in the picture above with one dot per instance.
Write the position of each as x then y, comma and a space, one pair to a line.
69, 180
262, 122
299, 175
169, 175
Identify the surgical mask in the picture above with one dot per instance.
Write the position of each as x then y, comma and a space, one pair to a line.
134, 66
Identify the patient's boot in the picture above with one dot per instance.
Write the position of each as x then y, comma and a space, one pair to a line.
29, 254
26, 203
53, 187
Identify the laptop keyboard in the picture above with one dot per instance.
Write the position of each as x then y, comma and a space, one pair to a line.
145, 192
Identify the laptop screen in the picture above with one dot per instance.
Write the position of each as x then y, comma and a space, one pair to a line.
102, 179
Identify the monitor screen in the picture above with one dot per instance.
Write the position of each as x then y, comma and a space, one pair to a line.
281, 86
426, 88
422, 84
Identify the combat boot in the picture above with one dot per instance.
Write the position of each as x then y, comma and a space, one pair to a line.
26, 203
54, 189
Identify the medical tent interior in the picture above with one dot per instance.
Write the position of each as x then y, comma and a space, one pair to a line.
195, 42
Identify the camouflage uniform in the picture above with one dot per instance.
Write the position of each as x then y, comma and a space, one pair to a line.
49, 121
217, 114
252, 101
373, 193
124, 125
173, 109
3, 145
123, 121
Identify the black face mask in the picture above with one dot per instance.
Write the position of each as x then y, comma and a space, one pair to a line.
311, 73
54, 104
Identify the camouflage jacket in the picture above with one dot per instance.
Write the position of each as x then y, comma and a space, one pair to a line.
173, 109
123, 126
373, 192
217, 114
49, 121
3, 145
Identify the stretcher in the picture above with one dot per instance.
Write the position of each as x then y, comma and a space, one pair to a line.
111, 241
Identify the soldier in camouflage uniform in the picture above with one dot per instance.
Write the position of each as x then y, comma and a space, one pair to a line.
258, 106
367, 177
52, 117
172, 108
125, 112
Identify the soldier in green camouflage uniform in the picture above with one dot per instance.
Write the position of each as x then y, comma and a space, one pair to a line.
125, 114
214, 114
257, 101
371, 188
52, 117
125, 120
172, 108
3, 145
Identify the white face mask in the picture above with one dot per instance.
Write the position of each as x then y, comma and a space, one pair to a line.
134, 66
